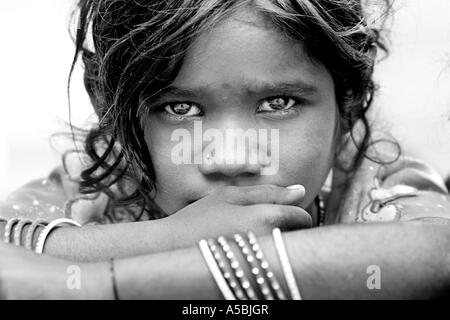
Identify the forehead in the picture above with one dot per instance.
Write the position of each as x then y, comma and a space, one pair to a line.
246, 46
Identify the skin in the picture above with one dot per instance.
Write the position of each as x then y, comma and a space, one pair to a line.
227, 72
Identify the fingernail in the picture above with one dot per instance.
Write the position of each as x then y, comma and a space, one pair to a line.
296, 187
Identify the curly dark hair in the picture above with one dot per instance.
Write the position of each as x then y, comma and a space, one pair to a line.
137, 49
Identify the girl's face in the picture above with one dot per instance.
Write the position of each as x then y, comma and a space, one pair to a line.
243, 75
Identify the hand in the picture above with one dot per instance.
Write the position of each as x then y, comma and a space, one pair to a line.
230, 210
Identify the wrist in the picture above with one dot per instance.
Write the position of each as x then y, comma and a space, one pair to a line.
96, 283
177, 234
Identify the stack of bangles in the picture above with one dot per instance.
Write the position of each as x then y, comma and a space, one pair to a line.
260, 282
15, 232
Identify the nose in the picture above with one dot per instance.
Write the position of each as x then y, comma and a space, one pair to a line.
236, 154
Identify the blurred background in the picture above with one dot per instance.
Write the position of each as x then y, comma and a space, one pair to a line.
36, 52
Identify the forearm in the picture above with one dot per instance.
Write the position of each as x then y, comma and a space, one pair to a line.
25, 275
102, 242
336, 262
329, 263
99, 243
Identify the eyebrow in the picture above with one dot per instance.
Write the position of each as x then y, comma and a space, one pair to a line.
266, 87
250, 88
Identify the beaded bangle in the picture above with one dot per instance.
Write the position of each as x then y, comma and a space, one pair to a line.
46, 231
215, 271
286, 265
256, 271
239, 273
227, 272
8, 228
18, 230
270, 275
30, 233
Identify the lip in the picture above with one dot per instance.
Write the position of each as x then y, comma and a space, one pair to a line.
191, 202
197, 198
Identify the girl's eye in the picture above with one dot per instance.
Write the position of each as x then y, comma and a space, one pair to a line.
183, 109
277, 104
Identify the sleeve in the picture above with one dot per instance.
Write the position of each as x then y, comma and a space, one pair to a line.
43, 198
51, 198
405, 190
429, 197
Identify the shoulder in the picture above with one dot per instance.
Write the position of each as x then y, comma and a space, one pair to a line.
412, 172
53, 197
41, 198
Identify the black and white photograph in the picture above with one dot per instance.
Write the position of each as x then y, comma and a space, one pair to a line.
225, 150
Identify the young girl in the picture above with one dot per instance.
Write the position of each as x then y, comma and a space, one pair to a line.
301, 70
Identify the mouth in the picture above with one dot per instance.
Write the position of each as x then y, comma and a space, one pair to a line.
191, 202
196, 199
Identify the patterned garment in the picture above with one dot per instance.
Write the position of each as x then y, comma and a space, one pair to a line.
406, 190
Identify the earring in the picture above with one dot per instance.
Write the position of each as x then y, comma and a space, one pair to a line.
320, 204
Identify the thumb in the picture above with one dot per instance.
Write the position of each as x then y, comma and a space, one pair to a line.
268, 194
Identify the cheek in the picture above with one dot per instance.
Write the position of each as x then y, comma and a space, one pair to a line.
169, 176
159, 146
307, 155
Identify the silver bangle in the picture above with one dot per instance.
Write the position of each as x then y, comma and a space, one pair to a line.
270, 275
227, 272
8, 228
46, 231
286, 265
18, 231
238, 272
30, 233
215, 271
254, 267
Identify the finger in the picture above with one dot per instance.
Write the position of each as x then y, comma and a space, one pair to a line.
267, 194
294, 218
285, 217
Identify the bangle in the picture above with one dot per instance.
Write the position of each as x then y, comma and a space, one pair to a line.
255, 270
46, 231
286, 265
30, 233
270, 275
18, 230
239, 273
113, 279
227, 272
215, 271
8, 228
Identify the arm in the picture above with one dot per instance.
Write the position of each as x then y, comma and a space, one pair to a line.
329, 263
101, 242
225, 211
